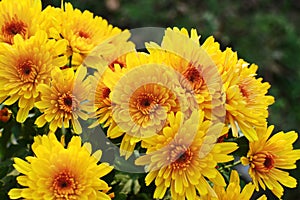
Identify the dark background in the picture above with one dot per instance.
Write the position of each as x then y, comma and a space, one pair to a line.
264, 32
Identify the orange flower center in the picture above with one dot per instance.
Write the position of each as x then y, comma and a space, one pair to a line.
105, 92
83, 34
27, 71
194, 77
67, 103
64, 185
192, 74
12, 28
149, 104
146, 103
262, 161
180, 157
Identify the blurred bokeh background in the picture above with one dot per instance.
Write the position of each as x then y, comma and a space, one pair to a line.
264, 32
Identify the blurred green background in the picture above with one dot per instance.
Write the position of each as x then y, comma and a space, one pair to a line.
264, 32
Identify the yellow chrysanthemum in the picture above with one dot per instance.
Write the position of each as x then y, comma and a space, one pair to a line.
87, 33
246, 99
131, 114
24, 66
198, 74
233, 190
64, 100
56, 172
83, 30
100, 100
100, 96
142, 99
103, 81
184, 155
18, 17
268, 156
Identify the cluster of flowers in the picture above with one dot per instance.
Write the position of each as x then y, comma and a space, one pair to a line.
181, 101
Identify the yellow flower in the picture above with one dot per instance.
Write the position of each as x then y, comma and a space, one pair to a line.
132, 70
100, 100
64, 100
87, 33
184, 154
100, 96
56, 172
18, 17
246, 100
83, 30
198, 75
268, 156
142, 98
233, 190
24, 66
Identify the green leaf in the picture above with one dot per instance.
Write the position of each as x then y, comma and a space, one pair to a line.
243, 144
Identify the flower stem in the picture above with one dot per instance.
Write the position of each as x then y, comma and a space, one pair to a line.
222, 169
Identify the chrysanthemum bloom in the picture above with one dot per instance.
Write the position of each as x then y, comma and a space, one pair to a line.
126, 73
18, 17
56, 172
100, 96
85, 32
233, 190
101, 101
268, 156
5, 114
141, 99
246, 99
182, 157
24, 66
198, 74
64, 100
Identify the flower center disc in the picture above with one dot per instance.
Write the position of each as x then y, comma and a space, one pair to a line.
263, 161
194, 77
105, 92
144, 102
12, 28
67, 103
192, 74
180, 157
64, 185
27, 71
83, 34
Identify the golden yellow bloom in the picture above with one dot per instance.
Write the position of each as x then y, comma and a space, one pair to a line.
24, 66
246, 99
64, 100
142, 98
83, 30
233, 190
100, 100
132, 70
100, 96
18, 17
184, 154
56, 172
198, 74
87, 33
268, 156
